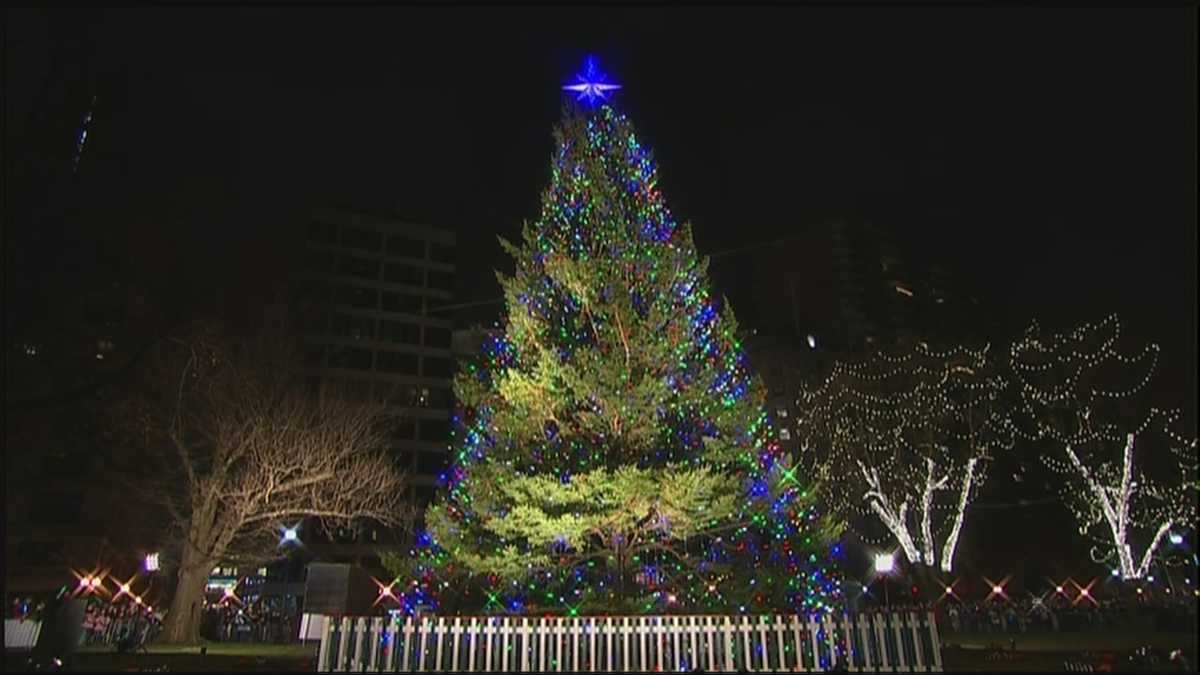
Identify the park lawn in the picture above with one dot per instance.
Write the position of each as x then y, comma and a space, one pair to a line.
251, 649
221, 658
1048, 652
1116, 640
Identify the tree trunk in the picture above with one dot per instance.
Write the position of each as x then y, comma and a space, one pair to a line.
182, 625
929, 584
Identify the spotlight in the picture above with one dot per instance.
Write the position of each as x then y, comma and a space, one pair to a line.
884, 564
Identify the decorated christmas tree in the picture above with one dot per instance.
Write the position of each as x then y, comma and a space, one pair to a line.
612, 451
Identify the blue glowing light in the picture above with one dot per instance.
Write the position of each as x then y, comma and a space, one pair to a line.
590, 85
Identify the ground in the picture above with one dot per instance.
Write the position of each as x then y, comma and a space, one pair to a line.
1049, 652
220, 657
977, 652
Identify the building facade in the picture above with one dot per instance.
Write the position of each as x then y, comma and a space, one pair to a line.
375, 286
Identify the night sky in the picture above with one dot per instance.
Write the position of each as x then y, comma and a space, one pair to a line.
1047, 155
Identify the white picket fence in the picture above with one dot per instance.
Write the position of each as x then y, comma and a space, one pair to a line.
21, 634
891, 641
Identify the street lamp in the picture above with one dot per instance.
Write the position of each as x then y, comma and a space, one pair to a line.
884, 564
289, 535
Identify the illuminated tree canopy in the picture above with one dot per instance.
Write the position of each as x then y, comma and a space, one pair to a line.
1081, 394
906, 437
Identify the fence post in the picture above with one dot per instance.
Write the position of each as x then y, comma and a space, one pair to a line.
360, 627
655, 626
934, 643
829, 628
901, 657
472, 641
424, 635
592, 642
794, 623
850, 634
373, 634
914, 629
777, 624
877, 621
507, 629
816, 630
610, 644
526, 631
863, 633
389, 648
557, 630
343, 644
455, 635
577, 632
488, 631
404, 662
323, 664
673, 625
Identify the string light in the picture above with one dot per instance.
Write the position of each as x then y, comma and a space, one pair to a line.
1064, 401
898, 430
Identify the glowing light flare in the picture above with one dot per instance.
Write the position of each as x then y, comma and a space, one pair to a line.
230, 594
90, 582
1085, 593
385, 591
151, 562
289, 535
591, 85
997, 588
885, 563
124, 588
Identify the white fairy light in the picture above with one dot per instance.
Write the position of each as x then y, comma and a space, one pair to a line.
901, 429
1111, 503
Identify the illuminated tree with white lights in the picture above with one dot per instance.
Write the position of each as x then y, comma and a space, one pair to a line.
1078, 392
906, 437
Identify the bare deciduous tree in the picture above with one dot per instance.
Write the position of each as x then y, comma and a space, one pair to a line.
241, 448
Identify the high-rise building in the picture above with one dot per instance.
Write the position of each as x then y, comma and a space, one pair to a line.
375, 284
62, 510
843, 283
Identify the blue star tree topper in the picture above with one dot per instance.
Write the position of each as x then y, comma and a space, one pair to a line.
591, 85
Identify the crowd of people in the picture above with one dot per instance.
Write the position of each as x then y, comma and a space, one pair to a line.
1058, 613
125, 625
231, 622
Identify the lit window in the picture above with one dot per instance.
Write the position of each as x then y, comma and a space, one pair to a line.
785, 434
782, 412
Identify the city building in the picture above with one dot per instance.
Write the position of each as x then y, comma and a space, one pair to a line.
840, 283
62, 507
375, 286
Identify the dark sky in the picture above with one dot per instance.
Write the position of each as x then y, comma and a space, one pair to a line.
1048, 154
